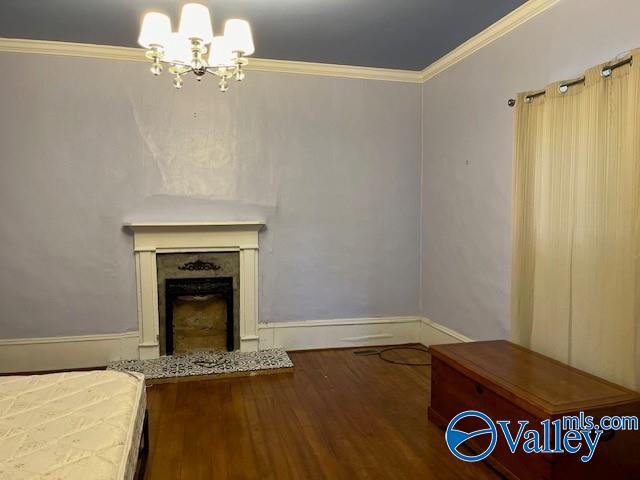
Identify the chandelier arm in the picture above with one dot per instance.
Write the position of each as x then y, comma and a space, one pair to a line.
213, 72
189, 68
216, 72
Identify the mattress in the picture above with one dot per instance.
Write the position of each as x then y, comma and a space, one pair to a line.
75, 425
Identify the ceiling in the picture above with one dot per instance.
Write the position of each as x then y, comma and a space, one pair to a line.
403, 34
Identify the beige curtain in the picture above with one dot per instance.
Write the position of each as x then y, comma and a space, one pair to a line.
576, 186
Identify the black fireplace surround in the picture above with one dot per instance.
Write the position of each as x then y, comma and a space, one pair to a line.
177, 287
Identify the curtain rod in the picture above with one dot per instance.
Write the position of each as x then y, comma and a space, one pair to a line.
605, 72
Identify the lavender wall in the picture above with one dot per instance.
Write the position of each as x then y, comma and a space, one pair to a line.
467, 154
87, 143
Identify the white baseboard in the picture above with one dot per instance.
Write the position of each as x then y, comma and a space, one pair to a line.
355, 332
54, 353
57, 353
433, 333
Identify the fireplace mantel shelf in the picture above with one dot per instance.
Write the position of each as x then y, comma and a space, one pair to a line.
258, 224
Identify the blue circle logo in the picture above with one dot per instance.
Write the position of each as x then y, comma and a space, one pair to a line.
455, 438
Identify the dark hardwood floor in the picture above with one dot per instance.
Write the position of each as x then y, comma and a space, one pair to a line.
335, 416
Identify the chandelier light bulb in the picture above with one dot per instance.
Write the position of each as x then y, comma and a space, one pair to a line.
156, 28
238, 34
195, 23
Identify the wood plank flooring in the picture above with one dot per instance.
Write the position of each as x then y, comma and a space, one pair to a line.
335, 416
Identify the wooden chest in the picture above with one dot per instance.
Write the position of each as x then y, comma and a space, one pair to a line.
509, 382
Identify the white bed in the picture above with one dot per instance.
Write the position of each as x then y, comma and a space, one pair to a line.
75, 425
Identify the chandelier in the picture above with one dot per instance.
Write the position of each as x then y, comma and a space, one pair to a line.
194, 48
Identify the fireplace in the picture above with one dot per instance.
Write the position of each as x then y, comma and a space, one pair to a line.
189, 250
199, 315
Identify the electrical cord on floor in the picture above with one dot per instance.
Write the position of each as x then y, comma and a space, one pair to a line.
380, 354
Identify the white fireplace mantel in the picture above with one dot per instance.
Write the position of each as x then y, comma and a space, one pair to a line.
150, 238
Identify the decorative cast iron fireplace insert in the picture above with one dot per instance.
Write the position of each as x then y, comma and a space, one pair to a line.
221, 287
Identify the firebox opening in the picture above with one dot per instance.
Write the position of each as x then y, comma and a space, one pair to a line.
199, 315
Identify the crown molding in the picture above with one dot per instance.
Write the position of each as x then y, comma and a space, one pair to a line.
506, 24
16, 45
20, 45
331, 70
524, 13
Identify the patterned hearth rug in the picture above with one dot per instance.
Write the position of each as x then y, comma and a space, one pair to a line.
205, 363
